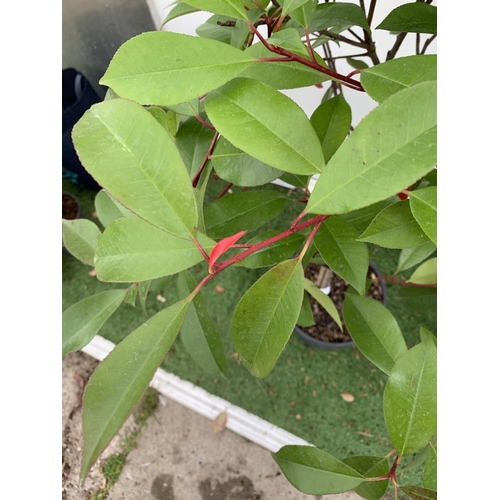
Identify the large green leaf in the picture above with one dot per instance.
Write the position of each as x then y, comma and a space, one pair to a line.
331, 121
80, 237
306, 317
266, 315
305, 13
426, 273
132, 250
410, 257
199, 334
391, 148
395, 227
336, 242
411, 17
267, 125
119, 381
316, 472
132, 156
337, 17
324, 300
108, 209
374, 330
235, 166
289, 5
246, 211
418, 299
429, 478
232, 8
423, 204
370, 466
82, 321
383, 80
418, 493
166, 68
410, 399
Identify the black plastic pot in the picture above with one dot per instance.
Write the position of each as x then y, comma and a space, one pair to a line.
332, 346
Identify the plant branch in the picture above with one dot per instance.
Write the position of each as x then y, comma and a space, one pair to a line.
427, 43
371, 11
355, 36
204, 123
417, 44
341, 38
406, 283
310, 238
399, 40
309, 46
224, 191
196, 178
201, 249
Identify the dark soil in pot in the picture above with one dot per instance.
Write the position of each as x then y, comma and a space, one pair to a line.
70, 207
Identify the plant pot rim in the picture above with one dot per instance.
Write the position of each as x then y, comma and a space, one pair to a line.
332, 346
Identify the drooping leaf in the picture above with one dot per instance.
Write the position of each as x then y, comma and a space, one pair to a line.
108, 209
410, 257
324, 300
80, 237
306, 316
418, 493
383, 80
418, 299
425, 274
305, 13
369, 466
410, 399
82, 321
246, 211
165, 68
361, 218
391, 148
266, 315
199, 334
395, 227
424, 333
131, 156
411, 17
336, 242
131, 295
232, 8
143, 295
423, 204
429, 478
132, 250
316, 472
356, 63
337, 17
116, 386
374, 330
239, 35
181, 9
276, 131
223, 246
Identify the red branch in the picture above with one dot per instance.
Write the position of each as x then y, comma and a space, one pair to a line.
196, 178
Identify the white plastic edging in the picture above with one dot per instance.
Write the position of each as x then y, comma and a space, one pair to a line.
245, 424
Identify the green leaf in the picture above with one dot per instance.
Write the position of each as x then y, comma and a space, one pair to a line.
290, 5
417, 460
235, 166
331, 121
316, 472
374, 330
369, 466
417, 493
266, 315
275, 253
247, 211
80, 237
143, 295
108, 209
132, 250
361, 218
391, 148
424, 333
82, 321
337, 17
324, 300
306, 316
181, 9
417, 299
410, 399
116, 386
194, 107
289, 39
383, 80
429, 478
305, 13
212, 29
131, 295
356, 63
410, 257
232, 8
336, 242
188, 67
423, 204
199, 334
169, 120
131, 156
412, 18
425, 274
296, 180
395, 227
276, 131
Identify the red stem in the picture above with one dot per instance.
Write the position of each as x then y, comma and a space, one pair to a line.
196, 178
224, 191
309, 46
204, 123
406, 283
201, 249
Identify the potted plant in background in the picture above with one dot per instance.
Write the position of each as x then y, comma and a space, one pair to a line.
156, 172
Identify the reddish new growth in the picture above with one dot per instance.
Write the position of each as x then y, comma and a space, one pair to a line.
223, 246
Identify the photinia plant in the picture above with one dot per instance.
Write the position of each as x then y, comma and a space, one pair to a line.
181, 107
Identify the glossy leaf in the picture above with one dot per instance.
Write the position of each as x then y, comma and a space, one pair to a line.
337, 17
223, 246
324, 300
199, 334
235, 166
395, 227
418, 493
130, 154
246, 211
289, 39
391, 148
370, 466
305, 13
411, 17
336, 242
361, 218
424, 333
80, 237
290, 5
232, 8
417, 299
143, 295
165, 68
212, 29
108, 209
306, 317
383, 80
315, 472
181, 9
425, 274
82, 321
267, 125
374, 330
410, 399
132, 250
423, 203
429, 478
410, 257
118, 383
266, 315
